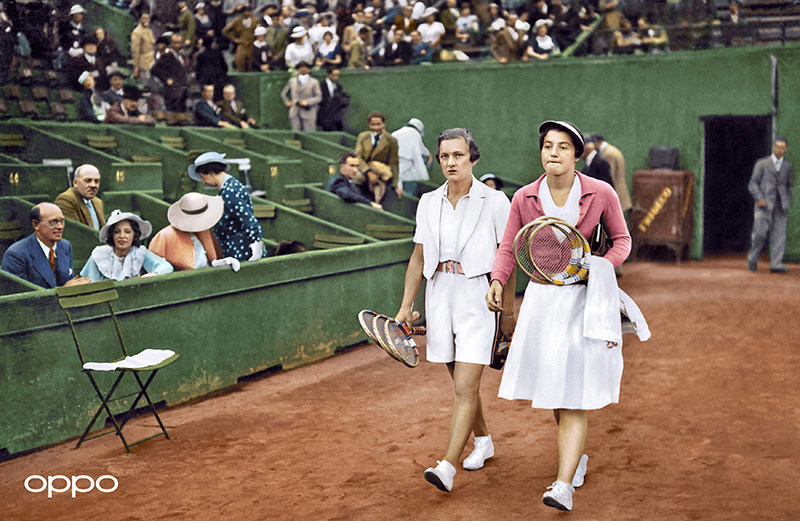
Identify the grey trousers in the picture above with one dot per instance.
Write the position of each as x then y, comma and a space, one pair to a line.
769, 225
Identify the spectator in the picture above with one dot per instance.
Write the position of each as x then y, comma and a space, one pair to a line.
114, 93
360, 51
188, 243
80, 203
241, 31
261, 51
73, 32
143, 51
350, 33
43, 258
127, 110
238, 231
507, 43
108, 50
269, 10
613, 156
334, 102
399, 51
299, 50
448, 16
302, 95
467, 28
206, 112
187, 24
171, 69
654, 38
612, 19
289, 247
342, 183
432, 32
492, 181
594, 165
378, 153
543, 46
87, 61
414, 157
317, 33
210, 67
123, 256
329, 53
405, 20
277, 40
422, 52
92, 107
233, 110
203, 25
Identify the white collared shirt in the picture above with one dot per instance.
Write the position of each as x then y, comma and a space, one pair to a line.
450, 221
590, 158
46, 249
777, 162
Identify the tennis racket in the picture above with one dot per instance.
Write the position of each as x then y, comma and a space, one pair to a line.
499, 345
552, 251
392, 336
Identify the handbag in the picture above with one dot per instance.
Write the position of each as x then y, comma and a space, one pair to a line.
499, 346
600, 242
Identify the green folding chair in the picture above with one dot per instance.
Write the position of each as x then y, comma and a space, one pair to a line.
139, 365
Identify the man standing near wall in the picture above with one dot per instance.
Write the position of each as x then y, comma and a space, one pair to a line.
771, 187
80, 203
616, 161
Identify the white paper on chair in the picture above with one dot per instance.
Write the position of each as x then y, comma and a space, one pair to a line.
146, 358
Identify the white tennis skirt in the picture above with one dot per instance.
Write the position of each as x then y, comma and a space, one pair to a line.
460, 326
550, 362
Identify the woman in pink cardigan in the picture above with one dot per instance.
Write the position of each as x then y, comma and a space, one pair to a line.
550, 362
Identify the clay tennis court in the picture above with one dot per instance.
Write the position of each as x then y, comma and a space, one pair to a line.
707, 429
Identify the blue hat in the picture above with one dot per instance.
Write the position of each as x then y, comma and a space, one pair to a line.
205, 159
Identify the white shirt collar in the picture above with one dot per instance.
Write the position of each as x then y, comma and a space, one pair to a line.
590, 157
45, 248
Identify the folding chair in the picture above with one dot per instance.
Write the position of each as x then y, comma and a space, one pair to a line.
146, 361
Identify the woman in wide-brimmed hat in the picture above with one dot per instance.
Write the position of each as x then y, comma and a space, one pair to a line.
188, 243
123, 256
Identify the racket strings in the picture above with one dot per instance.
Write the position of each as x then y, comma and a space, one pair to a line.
551, 250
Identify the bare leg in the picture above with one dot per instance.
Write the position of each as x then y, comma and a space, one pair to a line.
479, 427
466, 404
573, 426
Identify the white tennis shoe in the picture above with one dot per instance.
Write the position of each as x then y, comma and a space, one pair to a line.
484, 449
441, 476
559, 495
580, 472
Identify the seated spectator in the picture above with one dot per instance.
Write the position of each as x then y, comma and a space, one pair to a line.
127, 110
543, 46
43, 258
625, 40
203, 25
317, 33
421, 51
611, 21
114, 92
80, 203
233, 110
405, 20
654, 37
206, 112
261, 52
492, 181
467, 28
108, 50
432, 31
342, 183
360, 51
72, 33
123, 256
289, 247
87, 61
378, 152
238, 231
188, 243
399, 51
300, 49
92, 107
507, 43
329, 53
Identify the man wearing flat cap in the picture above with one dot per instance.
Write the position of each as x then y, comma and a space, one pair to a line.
80, 203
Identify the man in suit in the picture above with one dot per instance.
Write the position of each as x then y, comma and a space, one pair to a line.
594, 165
233, 109
334, 102
171, 69
206, 112
127, 110
80, 203
143, 47
114, 93
771, 188
616, 161
398, 52
302, 95
43, 258
342, 183
378, 152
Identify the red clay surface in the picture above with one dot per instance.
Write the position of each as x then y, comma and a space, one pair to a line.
707, 429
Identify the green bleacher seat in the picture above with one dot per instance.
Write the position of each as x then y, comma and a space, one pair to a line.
102, 142
12, 140
301, 205
263, 211
294, 143
236, 142
390, 231
142, 158
10, 230
173, 142
326, 242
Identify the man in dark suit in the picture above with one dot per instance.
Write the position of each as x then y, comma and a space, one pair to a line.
379, 154
80, 203
206, 112
595, 165
171, 69
399, 51
342, 183
86, 61
43, 258
771, 188
114, 92
334, 102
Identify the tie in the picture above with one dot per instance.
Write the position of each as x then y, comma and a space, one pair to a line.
52, 259
375, 140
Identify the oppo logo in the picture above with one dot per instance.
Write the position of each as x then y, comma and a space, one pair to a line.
77, 484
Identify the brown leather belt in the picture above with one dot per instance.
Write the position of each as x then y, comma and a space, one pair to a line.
450, 267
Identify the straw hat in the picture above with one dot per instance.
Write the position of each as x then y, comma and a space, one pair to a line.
195, 212
116, 216
204, 159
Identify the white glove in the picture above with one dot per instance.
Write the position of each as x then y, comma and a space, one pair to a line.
258, 251
227, 261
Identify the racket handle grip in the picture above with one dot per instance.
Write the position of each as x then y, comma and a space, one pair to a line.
419, 330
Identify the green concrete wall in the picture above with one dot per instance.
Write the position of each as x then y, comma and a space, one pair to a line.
636, 102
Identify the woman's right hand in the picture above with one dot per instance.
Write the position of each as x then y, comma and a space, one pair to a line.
405, 315
494, 297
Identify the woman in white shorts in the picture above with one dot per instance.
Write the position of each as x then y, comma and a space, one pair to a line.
551, 362
459, 226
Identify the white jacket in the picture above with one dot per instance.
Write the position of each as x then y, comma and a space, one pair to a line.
412, 153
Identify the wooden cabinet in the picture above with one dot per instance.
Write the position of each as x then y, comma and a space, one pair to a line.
663, 211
